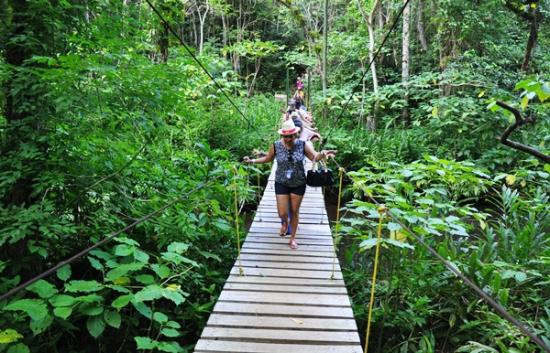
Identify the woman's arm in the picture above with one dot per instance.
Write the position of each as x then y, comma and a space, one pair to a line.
315, 156
269, 157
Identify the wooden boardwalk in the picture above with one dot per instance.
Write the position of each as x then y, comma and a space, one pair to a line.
286, 302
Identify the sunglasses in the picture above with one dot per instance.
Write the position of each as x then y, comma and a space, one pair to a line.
287, 136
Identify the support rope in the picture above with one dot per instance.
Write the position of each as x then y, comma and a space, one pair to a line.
241, 271
337, 226
381, 211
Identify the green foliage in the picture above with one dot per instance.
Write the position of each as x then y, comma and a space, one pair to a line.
504, 250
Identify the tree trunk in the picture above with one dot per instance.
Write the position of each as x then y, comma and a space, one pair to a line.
202, 21
405, 64
531, 42
163, 43
371, 119
420, 26
224, 33
253, 83
325, 46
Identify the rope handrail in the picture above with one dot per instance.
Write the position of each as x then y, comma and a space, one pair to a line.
75, 257
500, 310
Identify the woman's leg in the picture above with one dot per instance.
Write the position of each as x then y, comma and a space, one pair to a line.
295, 202
282, 209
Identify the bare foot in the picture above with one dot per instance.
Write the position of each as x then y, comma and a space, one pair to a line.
293, 244
284, 228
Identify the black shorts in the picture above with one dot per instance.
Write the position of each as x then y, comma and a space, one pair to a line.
281, 189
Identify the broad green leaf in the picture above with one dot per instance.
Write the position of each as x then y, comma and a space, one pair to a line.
174, 296
143, 309
122, 301
178, 247
170, 347
38, 326
126, 240
83, 286
222, 225
90, 298
393, 226
170, 332
160, 317
64, 273
63, 300
173, 324
145, 343
124, 250
151, 292
43, 289
9, 336
399, 244
91, 309
112, 318
19, 348
95, 325
35, 308
95, 263
145, 279
141, 256
520, 276
161, 270
367, 244
122, 270
63, 311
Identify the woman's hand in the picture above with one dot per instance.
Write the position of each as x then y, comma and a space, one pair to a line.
329, 153
247, 159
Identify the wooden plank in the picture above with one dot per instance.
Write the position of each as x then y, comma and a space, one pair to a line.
287, 251
303, 220
325, 228
293, 259
284, 310
274, 228
281, 322
253, 347
284, 247
277, 236
273, 217
269, 272
277, 239
273, 208
280, 336
284, 288
326, 282
289, 265
285, 298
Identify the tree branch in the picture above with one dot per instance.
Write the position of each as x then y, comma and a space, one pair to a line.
520, 121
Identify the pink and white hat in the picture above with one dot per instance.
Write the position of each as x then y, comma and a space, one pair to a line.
288, 128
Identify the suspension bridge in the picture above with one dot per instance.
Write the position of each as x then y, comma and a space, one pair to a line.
281, 300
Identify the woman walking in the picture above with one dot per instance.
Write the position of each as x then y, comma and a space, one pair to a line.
290, 176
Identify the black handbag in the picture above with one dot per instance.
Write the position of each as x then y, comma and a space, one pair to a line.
319, 177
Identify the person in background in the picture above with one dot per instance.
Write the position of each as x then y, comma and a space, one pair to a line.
290, 176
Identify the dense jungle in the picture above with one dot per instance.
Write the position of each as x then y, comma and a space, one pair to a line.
111, 132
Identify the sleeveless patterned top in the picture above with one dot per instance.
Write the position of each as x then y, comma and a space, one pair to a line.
290, 164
